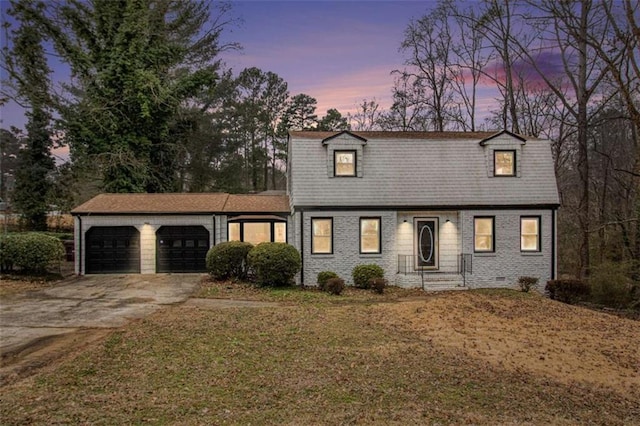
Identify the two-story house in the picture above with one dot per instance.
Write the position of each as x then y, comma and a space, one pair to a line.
435, 210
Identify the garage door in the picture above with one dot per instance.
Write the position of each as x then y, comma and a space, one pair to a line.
112, 249
182, 248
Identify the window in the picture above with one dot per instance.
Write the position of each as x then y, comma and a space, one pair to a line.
370, 235
280, 232
234, 231
483, 232
321, 235
344, 163
530, 233
255, 231
504, 163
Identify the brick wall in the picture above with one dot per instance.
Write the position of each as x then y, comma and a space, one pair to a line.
503, 267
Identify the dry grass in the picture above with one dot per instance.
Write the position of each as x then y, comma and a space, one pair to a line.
456, 358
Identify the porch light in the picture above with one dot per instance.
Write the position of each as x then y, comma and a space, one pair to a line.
447, 221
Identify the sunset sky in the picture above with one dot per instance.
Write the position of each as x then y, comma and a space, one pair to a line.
337, 52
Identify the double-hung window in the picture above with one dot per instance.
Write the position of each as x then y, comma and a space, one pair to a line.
504, 163
484, 234
344, 163
321, 235
370, 235
530, 233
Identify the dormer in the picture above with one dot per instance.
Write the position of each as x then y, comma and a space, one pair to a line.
503, 154
345, 155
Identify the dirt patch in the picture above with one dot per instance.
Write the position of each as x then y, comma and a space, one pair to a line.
530, 335
46, 353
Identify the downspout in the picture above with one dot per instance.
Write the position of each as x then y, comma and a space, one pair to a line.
79, 253
213, 220
553, 243
302, 248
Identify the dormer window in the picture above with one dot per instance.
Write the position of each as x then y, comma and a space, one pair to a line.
344, 163
504, 163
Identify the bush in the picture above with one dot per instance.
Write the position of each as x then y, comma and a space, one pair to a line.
335, 285
611, 285
527, 283
30, 251
567, 291
362, 274
274, 264
323, 277
228, 260
378, 284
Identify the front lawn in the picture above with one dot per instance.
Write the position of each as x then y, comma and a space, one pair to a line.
448, 358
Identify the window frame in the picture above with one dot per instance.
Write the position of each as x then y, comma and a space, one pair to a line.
355, 162
493, 234
271, 223
313, 219
495, 157
379, 219
538, 249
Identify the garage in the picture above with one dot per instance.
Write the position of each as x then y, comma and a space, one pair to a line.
181, 248
112, 249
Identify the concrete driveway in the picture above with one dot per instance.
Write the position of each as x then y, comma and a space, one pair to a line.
96, 301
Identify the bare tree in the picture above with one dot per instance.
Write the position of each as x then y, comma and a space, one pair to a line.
428, 43
367, 117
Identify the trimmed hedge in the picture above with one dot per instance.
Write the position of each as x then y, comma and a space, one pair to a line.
527, 283
378, 285
325, 276
363, 274
30, 251
335, 286
567, 291
228, 260
274, 264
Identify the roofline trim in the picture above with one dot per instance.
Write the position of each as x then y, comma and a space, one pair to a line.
547, 206
344, 132
484, 141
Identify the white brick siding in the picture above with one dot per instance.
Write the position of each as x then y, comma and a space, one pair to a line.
503, 267
346, 250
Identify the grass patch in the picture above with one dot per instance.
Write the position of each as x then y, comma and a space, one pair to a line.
363, 363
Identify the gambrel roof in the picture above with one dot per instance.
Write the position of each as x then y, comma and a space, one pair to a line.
420, 169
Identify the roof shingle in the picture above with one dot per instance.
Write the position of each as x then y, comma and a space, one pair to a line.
185, 203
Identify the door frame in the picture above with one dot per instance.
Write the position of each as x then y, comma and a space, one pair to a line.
436, 243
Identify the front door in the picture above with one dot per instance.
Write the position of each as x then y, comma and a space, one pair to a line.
426, 242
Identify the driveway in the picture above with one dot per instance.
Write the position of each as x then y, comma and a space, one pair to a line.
96, 301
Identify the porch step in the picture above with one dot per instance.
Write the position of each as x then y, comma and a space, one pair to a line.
432, 282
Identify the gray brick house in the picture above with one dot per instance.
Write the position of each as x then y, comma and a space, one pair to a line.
435, 210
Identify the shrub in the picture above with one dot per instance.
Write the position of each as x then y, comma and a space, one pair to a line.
30, 251
323, 277
335, 285
362, 274
567, 291
527, 283
228, 260
274, 264
611, 285
378, 284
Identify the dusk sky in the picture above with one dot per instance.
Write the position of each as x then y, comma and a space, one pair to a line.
337, 52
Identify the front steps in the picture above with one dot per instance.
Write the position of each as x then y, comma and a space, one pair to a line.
433, 281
